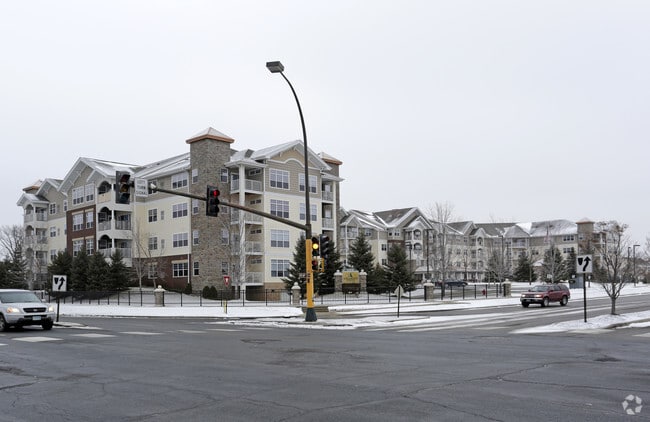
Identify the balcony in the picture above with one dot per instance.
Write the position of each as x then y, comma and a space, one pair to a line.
327, 196
253, 186
249, 217
254, 278
253, 248
107, 253
328, 223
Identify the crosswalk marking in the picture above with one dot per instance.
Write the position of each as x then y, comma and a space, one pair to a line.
93, 335
192, 331
223, 329
37, 339
141, 333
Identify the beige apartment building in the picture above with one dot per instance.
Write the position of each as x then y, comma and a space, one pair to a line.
167, 238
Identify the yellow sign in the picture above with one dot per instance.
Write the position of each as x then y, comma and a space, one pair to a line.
350, 277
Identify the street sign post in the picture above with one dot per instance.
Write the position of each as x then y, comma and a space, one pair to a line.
584, 265
59, 284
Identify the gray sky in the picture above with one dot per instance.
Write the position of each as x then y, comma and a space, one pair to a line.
508, 110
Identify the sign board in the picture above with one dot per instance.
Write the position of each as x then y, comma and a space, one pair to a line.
226, 280
350, 277
59, 283
399, 291
141, 187
584, 264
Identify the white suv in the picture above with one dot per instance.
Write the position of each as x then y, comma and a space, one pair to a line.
22, 307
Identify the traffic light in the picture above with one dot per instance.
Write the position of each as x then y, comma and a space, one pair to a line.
315, 246
324, 246
123, 185
212, 201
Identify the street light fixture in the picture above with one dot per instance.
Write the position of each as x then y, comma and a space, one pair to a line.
310, 314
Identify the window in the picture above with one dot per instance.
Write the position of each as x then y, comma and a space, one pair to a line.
280, 208
568, 238
567, 250
195, 176
65, 205
180, 240
153, 215
195, 237
153, 243
179, 269
179, 210
254, 172
280, 267
52, 231
384, 247
224, 175
89, 190
279, 238
195, 265
152, 270
179, 180
90, 217
279, 179
77, 222
225, 236
77, 246
224, 267
52, 255
314, 212
52, 208
77, 196
384, 262
313, 180
367, 232
90, 246
195, 206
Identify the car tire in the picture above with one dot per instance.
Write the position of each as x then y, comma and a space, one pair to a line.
525, 304
564, 301
545, 302
47, 325
3, 324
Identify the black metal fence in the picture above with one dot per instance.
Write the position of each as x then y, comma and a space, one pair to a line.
266, 297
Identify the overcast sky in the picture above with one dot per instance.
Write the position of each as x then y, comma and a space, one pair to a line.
507, 110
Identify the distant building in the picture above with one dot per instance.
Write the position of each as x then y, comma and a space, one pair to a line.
168, 238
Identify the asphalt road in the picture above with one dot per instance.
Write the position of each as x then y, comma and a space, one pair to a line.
139, 369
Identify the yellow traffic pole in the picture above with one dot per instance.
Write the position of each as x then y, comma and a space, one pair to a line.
310, 315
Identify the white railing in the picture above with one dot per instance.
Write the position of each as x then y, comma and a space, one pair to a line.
254, 278
328, 196
253, 247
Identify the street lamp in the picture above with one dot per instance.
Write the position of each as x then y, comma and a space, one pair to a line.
310, 315
634, 262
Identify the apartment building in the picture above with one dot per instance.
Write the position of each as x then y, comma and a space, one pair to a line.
461, 250
167, 238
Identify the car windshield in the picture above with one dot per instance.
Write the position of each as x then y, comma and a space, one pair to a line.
539, 289
18, 297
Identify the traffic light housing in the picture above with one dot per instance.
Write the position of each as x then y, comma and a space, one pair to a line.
123, 185
315, 254
324, 246
212, 201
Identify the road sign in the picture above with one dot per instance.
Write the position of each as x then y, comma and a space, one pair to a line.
226, 280
59, 283
584, 264
141, 188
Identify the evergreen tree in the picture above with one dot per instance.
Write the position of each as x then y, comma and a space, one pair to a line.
552, 265
12, 275
297, 267
118, 274
78, 279
324, 282
569, 267
361, 257
376, 280
97, 273
524, 270
61, 265
397, 271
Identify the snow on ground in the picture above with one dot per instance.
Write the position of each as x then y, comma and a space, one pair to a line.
369, 315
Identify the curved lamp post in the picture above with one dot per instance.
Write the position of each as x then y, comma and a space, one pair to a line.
310, 315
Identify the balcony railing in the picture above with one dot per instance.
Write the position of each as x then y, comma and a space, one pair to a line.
249, 218
328, 223
254, 278
126, 252
328, 196
253, 247
249, 185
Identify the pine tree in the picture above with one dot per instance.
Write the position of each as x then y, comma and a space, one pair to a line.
78, 280
361, 257
524, 270
397, 271
325, 284
569, 267
118, 273
553, 265
297, 267
97, 273
376, 280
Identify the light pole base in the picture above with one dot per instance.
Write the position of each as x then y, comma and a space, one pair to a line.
310, 315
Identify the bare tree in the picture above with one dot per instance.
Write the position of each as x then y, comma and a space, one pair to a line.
442, 215
611, 268
145, 257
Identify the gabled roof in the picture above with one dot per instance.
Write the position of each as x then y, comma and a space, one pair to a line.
104, 168
164, 167
361, 218
398, 217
